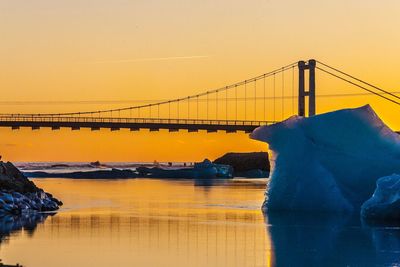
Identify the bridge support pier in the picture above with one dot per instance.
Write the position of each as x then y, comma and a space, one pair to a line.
310, 66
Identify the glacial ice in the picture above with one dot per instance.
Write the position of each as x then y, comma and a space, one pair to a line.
385, 202
328, 162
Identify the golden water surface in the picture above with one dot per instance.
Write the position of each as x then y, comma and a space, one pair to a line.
146, 223
142, 222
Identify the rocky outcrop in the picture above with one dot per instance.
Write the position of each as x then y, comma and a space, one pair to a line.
19, 195
243, 163
12, 179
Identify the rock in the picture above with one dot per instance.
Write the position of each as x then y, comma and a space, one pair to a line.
7, 198
19, 195
243, 162
12, 179
59, 203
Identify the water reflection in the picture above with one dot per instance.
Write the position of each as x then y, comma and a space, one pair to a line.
204, 182
14, 223
331, 240
181, 223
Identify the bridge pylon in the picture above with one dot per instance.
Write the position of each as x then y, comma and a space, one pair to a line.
310, 66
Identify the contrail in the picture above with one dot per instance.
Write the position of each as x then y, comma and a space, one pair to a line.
146, 59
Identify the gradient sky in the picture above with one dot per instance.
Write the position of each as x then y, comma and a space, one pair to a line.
97, 50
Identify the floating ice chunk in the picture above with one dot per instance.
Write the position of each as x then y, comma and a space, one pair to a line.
328, 162
385, 202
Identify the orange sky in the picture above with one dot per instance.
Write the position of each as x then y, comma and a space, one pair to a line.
120, 50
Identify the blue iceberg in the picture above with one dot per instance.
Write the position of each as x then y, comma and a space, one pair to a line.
385, 202
328, 162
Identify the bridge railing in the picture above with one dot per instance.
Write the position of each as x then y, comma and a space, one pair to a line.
50, 119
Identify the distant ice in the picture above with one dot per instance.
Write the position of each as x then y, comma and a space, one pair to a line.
328, 162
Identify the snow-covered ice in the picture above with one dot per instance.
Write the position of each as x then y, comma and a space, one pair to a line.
328, 162
385, 202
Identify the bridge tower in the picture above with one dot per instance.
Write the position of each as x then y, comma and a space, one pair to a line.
310, 66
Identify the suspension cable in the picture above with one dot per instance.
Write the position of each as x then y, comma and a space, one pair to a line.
255, 100
197, 107
359, 80
283, 94
226, 104
293, 90
188, 107
264, 100
178, 109
216, 105
169, 110
360, 86
245, 100
236, 103
207, 107
267, 74
274, 95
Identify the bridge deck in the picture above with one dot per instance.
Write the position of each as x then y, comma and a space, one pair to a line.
134, 124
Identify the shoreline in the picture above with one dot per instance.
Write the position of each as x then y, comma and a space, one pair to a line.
229, 165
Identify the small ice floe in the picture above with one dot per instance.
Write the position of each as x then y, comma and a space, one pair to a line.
385, 202
205, 169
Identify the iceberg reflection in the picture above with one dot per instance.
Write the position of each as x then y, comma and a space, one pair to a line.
330, 240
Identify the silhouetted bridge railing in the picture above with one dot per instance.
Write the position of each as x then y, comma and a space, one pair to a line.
134, 124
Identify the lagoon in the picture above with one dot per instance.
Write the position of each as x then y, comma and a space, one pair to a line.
150, 222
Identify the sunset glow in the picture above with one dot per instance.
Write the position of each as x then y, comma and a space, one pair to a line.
86, 55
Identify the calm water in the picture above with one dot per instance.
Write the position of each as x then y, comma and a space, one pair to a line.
183, 223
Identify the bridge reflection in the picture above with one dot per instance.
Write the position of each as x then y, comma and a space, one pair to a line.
191, 239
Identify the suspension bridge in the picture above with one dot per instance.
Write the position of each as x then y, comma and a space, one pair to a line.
242, 106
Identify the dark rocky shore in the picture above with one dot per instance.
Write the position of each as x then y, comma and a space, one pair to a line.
18, 195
